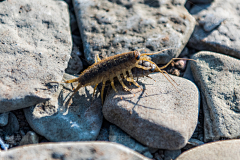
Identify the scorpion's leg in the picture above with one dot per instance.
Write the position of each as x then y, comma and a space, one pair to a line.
112, 84
95, 89
103, 86
124, 86
71, 80
75, 91
131, 78
142, 67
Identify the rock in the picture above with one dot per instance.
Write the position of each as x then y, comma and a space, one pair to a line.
217, 28
159, 155
12, 126
73, 150
158, 116
75, 64
171, 154
4, 119
29, 138
218, 79
35, 47
103, 135
112, 27
188, 73
221, 150
200, 1
79, 122
119, 136
193, 143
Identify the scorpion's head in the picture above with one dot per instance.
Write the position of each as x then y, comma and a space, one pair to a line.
137, 54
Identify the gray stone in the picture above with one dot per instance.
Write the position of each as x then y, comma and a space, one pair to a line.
217, 28
218, 78
119, 136
188, 73
4, 119
158, 116
73, 150
193, 143
35, 47
200, 1
56, 121
171, 154
222, 150
75, 63
103, 135
112, 27
29, 138
12, 126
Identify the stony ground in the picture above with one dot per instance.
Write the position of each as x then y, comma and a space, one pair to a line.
192, 113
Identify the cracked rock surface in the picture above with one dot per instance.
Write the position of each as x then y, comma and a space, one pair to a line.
35, 47
111, 27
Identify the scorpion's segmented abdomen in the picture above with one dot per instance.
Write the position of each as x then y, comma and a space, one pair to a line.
106, 67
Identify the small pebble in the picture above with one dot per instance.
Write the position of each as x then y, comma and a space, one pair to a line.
29, 138
4, 119
181, 64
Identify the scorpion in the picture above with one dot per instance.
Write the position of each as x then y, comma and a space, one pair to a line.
115, 66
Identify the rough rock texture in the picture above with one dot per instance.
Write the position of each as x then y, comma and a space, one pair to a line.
222, 150
218, 27
110, 27
56, 122
35, 45
218, 78
73, 151
158, 116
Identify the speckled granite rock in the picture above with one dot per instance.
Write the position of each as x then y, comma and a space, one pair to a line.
35, 47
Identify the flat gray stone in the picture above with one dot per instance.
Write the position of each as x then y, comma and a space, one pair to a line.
35, 47
218, 78
221, 150
112, 27
56, 122
73, 150
218, 27
158, 116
